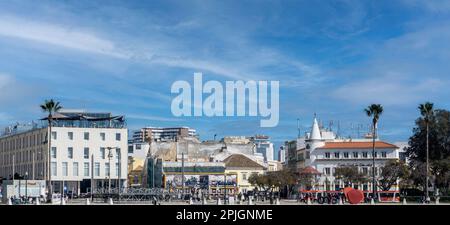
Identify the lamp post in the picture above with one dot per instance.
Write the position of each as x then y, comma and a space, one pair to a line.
109, 169
26, 185
225, 189
182, 175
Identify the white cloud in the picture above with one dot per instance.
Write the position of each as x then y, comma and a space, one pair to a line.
389, 90
68, 37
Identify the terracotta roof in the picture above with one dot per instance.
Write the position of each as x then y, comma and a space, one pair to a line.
309, 170
356, 145
238, 160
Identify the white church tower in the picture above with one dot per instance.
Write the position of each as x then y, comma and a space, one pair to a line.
313, 141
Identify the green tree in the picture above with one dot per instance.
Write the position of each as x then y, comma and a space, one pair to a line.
50, 107
391, 173
426, 110
261, 181
374, 111
306, 179
438, 150
349, 175
282, 178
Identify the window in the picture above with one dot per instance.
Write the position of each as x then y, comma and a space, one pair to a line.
117, 136
117, 169
75, 169
65, 169
102, 153
70, 153
365, 171
376, 154
70, 135
86, 135
364, 154
130, 149
327, 155
86, 153
54, 135
86, 169
107, 169
97, 169
117, 153
54, 152
244, 176
138, 147
327, 171
307, 155
54, 172
102, 136
346, 155
336, 155
383, 154
355, 155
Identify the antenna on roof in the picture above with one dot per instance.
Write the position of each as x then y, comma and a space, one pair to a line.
338, 132
298, 127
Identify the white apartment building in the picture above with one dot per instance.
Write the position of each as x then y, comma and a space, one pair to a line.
85, 147
151, 134
325, 152
282, 155
264, 146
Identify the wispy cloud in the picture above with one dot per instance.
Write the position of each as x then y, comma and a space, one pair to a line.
67, 37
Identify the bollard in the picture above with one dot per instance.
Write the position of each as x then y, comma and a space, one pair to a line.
437, 200
340, 201
372, 202
63, 201
88, 202
111, 201
37, 201
404, 201
278, 201
250, 200
219, 202
190, 201
204, 201
308, 202
9, 201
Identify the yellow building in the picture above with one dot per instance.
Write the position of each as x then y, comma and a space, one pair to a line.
244, 167
135, 167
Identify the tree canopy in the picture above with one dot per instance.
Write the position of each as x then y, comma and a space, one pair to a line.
439, 149
350, 175
391, 172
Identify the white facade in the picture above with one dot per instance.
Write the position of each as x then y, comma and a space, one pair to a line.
72, 149
85, 144
162, 134
325, 152
282, 155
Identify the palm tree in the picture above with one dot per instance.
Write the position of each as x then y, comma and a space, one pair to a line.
50, 107
374, 111
426, 110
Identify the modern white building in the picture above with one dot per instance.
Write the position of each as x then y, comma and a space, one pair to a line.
152, 134
85, 147
282, 155
264, 146
325, 152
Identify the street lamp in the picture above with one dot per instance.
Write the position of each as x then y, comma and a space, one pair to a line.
109, 168
26, 185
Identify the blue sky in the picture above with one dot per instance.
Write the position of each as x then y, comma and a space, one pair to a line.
331, 57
